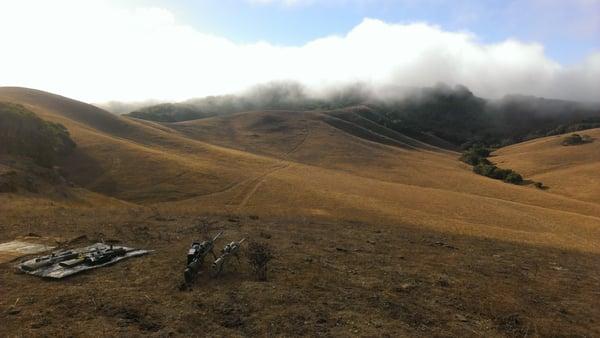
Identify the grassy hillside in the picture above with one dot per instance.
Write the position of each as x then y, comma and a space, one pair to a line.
133, 160
376, 232
301, 163
571, 171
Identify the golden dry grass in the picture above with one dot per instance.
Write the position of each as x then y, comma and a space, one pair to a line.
572, 171
302, 164
316, 181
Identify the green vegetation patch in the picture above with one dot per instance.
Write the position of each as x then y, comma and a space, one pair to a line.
490, 170
576, 139
22, 133
477, 157
170, 112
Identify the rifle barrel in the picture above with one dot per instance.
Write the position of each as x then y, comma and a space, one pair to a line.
218, 235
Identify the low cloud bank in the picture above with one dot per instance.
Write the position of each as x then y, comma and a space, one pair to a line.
95, 51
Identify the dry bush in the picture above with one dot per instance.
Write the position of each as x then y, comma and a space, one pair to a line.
259, 254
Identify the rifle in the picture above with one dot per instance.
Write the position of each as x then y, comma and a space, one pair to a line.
48, 260
231, 249
96, 256
196, 255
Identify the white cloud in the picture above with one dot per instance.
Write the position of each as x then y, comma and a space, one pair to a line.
96, 51
284, 2
300, 2
331, 2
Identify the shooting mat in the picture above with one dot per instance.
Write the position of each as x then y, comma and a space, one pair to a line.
58, 271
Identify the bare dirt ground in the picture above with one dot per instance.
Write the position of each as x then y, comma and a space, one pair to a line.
329, 279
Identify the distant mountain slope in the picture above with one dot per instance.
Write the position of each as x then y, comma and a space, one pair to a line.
353, 121
271, 96
457, 116
170, 112
450, 117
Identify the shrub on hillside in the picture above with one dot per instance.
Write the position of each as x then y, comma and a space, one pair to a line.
575, 139
491, 171
588, 123
484, 169
22, 133
513, 177
259, 254
470, 158
501, 174
476, 155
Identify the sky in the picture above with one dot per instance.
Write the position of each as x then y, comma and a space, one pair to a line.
103, 50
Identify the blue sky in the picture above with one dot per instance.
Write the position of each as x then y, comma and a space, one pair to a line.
569, 29
101, 50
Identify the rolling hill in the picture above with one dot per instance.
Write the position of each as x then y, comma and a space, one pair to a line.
452, 117
334, 164
338, 192
133, 160
572, 171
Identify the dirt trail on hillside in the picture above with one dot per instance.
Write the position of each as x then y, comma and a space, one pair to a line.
284, 164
